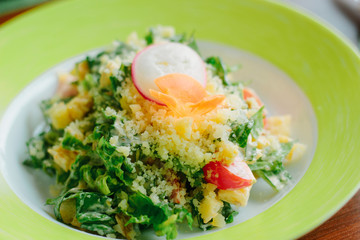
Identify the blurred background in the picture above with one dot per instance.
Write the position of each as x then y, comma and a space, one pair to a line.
342, 14
9, 6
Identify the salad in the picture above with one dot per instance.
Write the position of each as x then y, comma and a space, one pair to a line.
149, 134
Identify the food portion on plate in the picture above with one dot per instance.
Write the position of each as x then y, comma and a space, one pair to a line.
149, 134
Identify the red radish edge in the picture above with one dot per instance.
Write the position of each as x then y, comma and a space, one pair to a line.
133, 72
219, 174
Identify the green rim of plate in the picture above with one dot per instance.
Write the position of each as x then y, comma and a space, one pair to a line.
327, 70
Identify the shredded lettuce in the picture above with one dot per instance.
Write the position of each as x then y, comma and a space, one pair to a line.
270, 166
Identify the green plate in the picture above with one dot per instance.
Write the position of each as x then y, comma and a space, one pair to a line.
322, 63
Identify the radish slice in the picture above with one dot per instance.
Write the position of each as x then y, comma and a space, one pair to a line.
235, 176
162, 59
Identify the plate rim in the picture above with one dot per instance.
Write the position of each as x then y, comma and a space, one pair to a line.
298, 10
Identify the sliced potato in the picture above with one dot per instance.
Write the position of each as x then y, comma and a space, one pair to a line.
238, 197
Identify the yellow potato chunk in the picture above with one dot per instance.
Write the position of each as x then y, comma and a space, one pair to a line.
62, 114
107, 71
79, 106
81, 70
126, 230
63, 157
74, 130
237, 197
210, 206
218, 221
279, 125
296, 152
68, 212
59, 116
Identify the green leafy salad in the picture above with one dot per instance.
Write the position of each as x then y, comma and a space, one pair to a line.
148, 134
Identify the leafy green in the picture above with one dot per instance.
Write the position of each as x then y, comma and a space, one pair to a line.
271, 155
101, 229
191, 42
228, 212
160, 216
258, 123
179, 38
117, 81
94, 61
96, 178
219, 69
240, 133
93, 210
103, 126
74, 176
37, 151
270, 166
189, 171
122, 49
182, 38
70, 142
149, 37
115, 164
45, 105
104, 98
90, 81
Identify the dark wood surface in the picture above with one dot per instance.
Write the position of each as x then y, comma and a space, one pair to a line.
344, 225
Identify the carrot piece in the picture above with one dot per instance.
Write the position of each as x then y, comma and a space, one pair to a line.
182, 87
170, 101
184, 95
248, 93
207, 104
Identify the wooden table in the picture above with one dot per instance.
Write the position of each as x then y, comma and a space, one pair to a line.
344, 225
